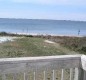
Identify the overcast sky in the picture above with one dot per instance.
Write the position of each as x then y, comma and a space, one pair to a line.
44, 9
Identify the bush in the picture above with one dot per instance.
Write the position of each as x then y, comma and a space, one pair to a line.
29, 35
3, 33
83, 49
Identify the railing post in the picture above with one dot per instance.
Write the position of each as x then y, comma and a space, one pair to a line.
71, 73
25, 76
84, 75
83, 62
62, 74
80, 74
3, 77
44, 75
76, 75
34, 75
14, 76
54, 75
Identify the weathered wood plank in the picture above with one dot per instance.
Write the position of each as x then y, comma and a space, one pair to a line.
26, 59
44, 73
34, 75
84, 78
25, 76
53, 75
62, 74
76, 76
3, 77
81, 74
16, 65
71, 73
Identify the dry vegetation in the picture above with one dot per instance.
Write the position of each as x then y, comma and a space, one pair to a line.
77, 44
28, 46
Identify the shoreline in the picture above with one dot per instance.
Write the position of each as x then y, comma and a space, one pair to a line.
37, 34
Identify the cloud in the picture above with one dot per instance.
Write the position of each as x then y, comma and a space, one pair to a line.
53, 2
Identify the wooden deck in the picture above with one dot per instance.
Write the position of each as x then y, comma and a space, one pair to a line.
49, 67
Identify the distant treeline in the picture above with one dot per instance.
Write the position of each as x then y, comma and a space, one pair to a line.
12, 34
6, 34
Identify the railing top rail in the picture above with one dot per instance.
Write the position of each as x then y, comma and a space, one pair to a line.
38, 58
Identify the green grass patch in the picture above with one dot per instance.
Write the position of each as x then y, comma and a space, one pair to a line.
28, 46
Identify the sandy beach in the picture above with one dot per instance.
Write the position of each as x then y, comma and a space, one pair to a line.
36, 34
6, 38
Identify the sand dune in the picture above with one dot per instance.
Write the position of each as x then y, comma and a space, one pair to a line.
4, 39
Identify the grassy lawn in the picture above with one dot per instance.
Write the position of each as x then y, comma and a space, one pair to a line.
28, 46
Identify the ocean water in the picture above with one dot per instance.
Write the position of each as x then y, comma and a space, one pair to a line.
34, 26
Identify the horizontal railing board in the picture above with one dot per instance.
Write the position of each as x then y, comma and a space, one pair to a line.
26, 59
16, 65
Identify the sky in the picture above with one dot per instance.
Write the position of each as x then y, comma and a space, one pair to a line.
44, 9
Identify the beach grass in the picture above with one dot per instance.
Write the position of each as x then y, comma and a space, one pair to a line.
77, 44
38, 46
28, 46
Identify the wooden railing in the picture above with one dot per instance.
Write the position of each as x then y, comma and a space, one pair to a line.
64, 67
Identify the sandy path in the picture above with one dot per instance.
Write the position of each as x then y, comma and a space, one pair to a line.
47, 41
